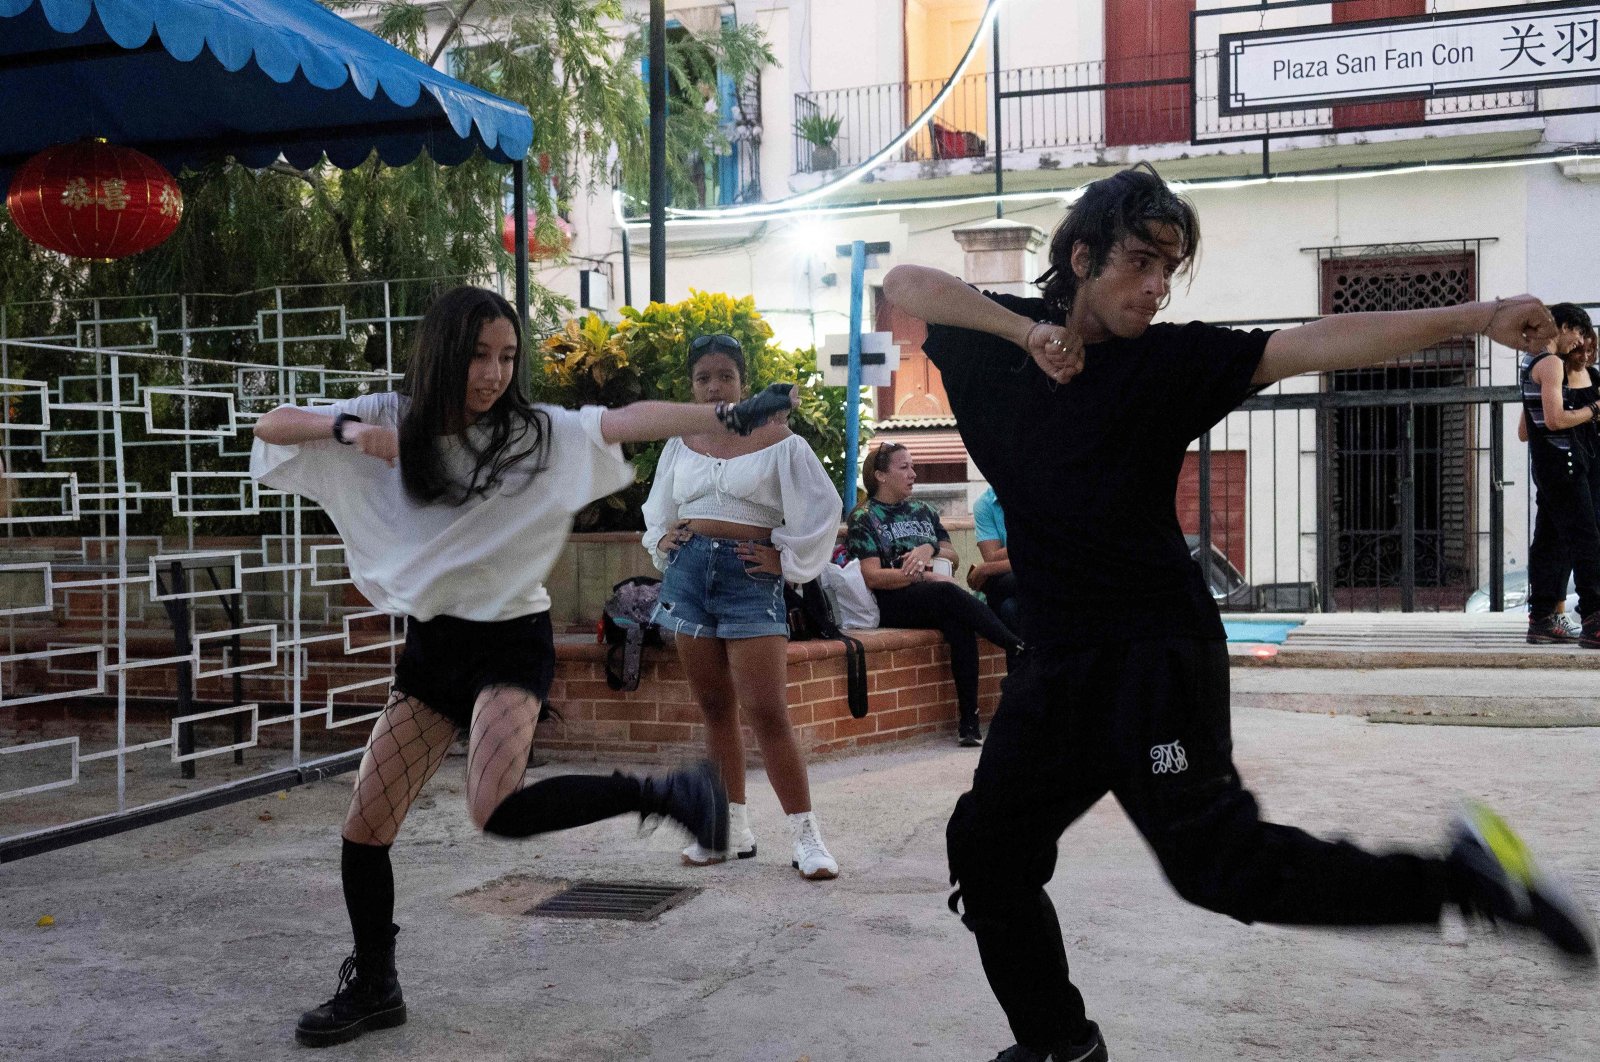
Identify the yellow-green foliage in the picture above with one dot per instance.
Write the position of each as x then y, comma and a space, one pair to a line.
591, 362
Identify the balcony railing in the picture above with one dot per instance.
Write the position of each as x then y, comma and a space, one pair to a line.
1093, 113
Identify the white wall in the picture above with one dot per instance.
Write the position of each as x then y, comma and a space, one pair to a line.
1537, 226
1050, 33
855, 43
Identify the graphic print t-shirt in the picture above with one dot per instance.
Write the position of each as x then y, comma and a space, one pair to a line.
901, 528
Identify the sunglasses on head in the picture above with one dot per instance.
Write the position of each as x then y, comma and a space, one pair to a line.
715, 342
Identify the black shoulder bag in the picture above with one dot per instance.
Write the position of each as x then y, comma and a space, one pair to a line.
810, 616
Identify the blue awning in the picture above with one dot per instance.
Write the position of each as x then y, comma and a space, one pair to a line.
187, 81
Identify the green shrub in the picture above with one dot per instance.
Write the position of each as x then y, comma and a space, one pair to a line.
591, 362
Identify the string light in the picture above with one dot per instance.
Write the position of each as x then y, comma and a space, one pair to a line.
1065, 196
751, 211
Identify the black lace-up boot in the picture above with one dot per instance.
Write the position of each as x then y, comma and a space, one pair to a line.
368, 998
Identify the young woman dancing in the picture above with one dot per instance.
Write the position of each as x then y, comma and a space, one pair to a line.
453, 496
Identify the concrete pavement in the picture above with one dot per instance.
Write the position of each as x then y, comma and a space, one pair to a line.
204, 937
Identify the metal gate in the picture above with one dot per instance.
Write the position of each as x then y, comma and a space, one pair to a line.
172, 635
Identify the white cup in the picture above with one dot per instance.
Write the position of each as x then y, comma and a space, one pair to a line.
943, 566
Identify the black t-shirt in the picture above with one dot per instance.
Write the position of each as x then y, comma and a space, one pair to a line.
1087, 471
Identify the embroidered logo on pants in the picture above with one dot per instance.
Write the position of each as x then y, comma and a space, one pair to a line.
1168, 759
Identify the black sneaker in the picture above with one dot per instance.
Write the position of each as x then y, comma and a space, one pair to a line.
1091, 1050
1504, 883
368, 998
693, 797
1589, 635
968, 735
1548, 630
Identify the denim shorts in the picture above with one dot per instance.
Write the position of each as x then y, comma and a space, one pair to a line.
708, 592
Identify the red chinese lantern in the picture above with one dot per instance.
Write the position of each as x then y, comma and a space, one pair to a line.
92, 199
536, 249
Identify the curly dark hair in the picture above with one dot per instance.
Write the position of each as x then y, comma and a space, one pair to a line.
436, 383
1134, 202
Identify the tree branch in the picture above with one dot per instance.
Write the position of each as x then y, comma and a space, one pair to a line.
451, 31
311, 177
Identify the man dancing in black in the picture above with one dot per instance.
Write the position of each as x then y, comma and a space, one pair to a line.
1083, 437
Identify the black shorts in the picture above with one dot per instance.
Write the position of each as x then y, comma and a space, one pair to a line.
447, 661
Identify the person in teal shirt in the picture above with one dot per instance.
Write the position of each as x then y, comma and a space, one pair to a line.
993, 576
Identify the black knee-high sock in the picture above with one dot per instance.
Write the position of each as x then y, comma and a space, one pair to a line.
563, 802
368, 893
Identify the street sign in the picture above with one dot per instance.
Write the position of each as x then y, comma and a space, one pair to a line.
1485, 50
880, 357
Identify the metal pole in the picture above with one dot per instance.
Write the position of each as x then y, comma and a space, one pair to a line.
999, 131
1497, 509
627, 268
1325, 531
183, 645
519, 222
658, 151
1408, 511
852, 391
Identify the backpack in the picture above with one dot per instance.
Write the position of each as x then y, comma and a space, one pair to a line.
810, 617
625, 626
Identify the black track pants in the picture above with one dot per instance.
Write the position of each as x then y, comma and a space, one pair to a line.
1147, 721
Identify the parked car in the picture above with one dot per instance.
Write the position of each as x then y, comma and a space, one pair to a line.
1232, 592
1228, 587
1517, 593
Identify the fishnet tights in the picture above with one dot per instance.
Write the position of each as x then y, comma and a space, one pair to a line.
503, 721
408, 743
411, 740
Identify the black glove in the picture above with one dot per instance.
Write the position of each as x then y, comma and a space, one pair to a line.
745, 417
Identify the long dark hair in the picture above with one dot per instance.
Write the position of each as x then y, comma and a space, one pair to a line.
436, 384
1134, 202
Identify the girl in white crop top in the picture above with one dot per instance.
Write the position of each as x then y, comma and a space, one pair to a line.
727, 521
453, 498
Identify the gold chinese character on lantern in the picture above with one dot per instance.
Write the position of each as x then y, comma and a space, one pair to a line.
114, 194
171, 204
76, 194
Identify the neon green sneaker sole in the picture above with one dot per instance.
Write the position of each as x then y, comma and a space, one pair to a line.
1507, 883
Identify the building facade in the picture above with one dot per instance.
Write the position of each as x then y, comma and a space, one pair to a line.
1386, 205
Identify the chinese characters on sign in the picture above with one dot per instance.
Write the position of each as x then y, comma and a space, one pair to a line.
1574, 42
1473, 51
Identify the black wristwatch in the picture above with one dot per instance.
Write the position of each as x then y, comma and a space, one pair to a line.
339, 421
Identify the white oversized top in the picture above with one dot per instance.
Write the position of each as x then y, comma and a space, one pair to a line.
486, 559
782, 486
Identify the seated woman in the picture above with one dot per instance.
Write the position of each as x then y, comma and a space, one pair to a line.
897, 541
727, 521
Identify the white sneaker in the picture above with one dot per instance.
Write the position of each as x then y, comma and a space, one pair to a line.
741, 841
1573, 625
811, 857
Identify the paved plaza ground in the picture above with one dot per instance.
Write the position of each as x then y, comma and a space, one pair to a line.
203, 938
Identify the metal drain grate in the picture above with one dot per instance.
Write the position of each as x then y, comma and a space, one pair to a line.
631, 900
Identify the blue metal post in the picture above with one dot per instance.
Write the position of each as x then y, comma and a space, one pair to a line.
852, 394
